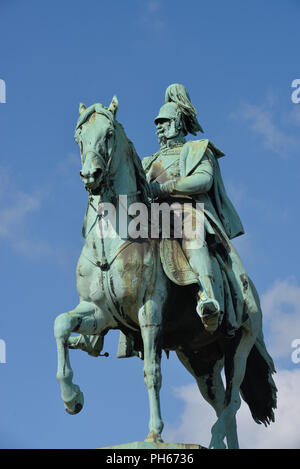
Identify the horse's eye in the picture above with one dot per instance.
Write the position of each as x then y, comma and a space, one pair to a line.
109, 134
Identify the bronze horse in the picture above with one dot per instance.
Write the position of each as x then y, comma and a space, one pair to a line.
122, 285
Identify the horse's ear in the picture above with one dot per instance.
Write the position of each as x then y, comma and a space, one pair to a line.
113, 107
82, 107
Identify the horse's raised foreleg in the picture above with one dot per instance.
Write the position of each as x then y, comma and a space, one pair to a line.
93, 345
235, 367
150, 324
83, 319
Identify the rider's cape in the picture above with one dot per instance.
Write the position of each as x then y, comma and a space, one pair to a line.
239, 297
190, 158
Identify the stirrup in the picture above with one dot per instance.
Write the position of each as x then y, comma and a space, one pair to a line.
209, 312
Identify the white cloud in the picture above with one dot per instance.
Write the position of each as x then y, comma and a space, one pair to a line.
152, 16
281, 312
16, 208
195, 421
14, 213
244, 246
262, 122
70, 165
293, 117
153, 5
238, 193
198, 417
284, 432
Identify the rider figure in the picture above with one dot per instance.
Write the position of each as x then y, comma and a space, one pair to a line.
190, 170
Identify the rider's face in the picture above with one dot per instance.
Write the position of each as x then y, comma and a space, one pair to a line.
165, 129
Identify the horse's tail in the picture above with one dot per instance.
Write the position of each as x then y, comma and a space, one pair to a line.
258, 388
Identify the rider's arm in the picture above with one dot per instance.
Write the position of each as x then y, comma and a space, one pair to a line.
197, 183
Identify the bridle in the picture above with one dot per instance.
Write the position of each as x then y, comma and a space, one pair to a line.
104, 162
105, 180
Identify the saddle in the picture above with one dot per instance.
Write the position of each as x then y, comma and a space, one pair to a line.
175, 263
177, 269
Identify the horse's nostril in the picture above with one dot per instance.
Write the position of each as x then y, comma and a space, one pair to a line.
90, 177
96, 173
92, 174
84, 175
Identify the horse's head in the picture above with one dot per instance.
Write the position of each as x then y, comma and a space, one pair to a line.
96, 136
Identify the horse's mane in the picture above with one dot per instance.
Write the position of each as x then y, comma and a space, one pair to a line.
141, 181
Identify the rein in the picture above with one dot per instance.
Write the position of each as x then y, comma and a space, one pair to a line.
104, 264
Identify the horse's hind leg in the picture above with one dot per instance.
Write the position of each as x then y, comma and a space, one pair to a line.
235, 367
81, 319
210, 384
150, 324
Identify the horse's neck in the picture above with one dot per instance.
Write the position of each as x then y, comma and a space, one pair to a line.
124, 180
124, 191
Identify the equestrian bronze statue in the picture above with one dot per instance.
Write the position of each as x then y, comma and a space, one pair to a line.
187, 293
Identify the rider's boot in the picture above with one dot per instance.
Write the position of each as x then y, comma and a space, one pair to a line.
209, 311
208, 307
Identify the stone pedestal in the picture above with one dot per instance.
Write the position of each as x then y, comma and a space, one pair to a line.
155, 446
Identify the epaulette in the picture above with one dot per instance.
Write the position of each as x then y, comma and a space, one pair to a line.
148, 160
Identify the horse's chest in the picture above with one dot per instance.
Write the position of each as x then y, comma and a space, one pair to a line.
128, 278
89, 280
121, 288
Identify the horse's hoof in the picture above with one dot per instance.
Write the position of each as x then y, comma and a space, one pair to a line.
154, 438
217, 443
75, 405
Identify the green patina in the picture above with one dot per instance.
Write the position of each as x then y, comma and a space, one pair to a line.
163, 294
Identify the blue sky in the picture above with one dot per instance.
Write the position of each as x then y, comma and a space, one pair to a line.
238, 60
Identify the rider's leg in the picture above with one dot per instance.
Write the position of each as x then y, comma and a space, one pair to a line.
205, 266
210, 286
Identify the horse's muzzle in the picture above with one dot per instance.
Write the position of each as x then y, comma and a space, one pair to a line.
91, 180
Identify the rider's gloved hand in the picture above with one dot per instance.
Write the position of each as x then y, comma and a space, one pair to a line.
162, 190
